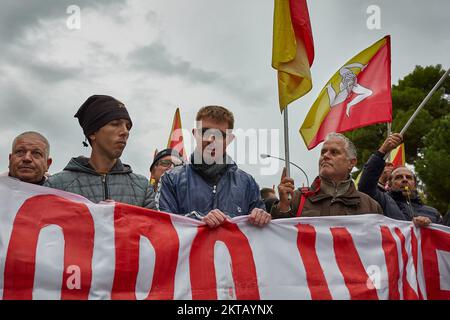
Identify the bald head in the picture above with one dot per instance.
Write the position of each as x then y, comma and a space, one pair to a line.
35, 135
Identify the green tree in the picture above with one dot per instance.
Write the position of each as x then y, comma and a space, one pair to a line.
434, 166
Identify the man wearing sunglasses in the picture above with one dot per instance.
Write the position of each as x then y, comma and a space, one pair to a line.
164, 160
211, 187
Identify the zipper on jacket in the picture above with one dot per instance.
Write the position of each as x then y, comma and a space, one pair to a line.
105, 187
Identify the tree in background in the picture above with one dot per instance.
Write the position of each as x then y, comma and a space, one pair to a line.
434, 166
422, 140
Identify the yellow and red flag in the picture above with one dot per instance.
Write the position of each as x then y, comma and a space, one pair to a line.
293, 49
176, 135
397, 156
357, 95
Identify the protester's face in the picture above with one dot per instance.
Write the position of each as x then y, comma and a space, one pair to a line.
164, 164
111, 139
402, 178
212, 137
333, 163
28, 160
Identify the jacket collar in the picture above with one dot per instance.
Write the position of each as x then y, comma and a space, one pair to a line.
398, 196
81, 164
316, 194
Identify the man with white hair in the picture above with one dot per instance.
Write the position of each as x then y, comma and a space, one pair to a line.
333, 192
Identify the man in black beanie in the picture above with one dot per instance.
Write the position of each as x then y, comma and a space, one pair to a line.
106, 125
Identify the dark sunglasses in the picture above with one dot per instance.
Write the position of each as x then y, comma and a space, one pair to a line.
207, 133
168, 163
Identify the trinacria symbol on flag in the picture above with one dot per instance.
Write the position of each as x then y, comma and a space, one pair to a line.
348, 84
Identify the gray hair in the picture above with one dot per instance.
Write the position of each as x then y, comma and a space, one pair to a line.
36, 134
350, 148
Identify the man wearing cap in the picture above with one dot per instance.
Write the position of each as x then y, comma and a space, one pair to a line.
164, 160
106, 125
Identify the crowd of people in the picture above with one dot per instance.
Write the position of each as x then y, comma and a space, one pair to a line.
210, 187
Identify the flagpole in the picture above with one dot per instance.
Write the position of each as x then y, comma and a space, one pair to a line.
286, 144
428, 97
389, 131
286, 141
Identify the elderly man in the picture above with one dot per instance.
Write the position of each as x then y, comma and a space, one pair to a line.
164, 160
332, 192
30, 159
106, 125
212, 188
402, 201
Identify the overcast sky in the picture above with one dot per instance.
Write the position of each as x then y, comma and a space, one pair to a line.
156, 55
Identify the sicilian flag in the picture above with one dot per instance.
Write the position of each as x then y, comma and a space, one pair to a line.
397, 156
357, 95
176, 135
293, 49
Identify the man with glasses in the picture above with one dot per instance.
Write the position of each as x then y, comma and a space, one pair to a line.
164, 160
212, 188
402, 199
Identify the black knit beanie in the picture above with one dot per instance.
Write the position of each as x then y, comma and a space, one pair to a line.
98, 110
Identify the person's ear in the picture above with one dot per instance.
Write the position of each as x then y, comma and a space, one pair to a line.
353, 163
49, 162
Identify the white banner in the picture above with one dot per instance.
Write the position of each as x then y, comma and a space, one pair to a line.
57, 245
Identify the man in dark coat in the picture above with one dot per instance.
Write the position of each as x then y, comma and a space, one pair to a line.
402, 201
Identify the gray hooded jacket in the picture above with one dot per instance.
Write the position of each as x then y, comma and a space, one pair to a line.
120, 184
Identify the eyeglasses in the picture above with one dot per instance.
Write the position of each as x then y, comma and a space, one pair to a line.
208, 133
168, 163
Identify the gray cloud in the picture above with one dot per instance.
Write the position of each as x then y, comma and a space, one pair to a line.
16, 16
155, 58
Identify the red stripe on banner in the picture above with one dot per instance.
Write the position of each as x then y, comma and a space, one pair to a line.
415, 251
77, 226
201, 263
130, 224
433, 240
306, 243
355, 276
408, 291
391, 256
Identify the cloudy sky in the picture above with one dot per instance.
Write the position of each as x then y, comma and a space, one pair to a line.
157, 55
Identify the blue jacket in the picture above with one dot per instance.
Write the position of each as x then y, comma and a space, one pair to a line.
182, 190
393, 202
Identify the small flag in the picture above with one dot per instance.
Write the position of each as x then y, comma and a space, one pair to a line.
397, 156
293, 50
176, 135
357, 95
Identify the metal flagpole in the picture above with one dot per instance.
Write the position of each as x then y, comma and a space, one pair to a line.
389, 131
428, 97
286, 144
286, 141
